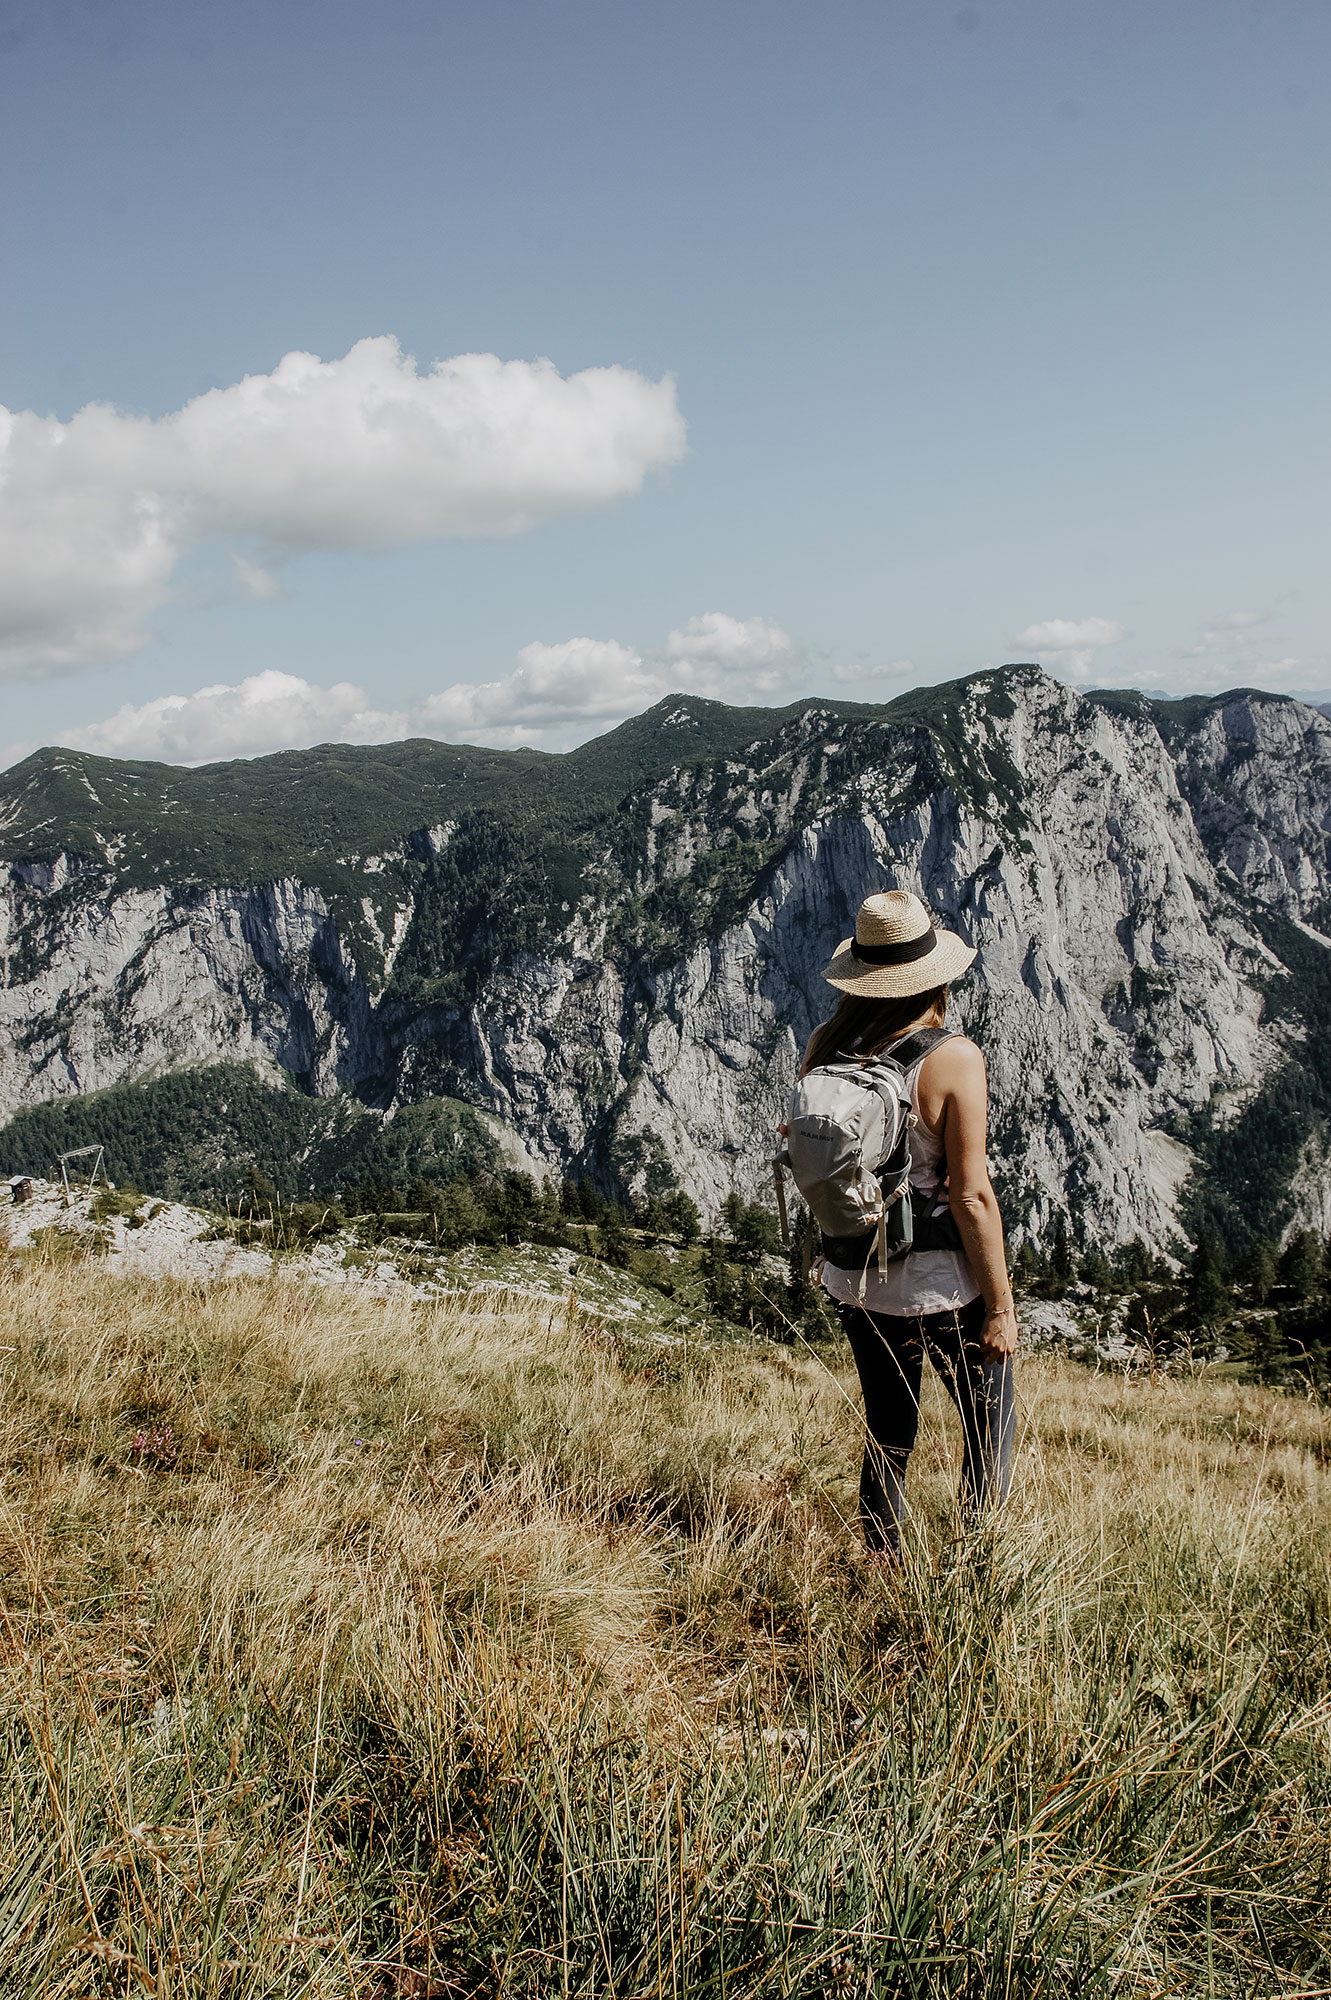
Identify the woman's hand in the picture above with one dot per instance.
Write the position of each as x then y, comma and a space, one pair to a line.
998, 1334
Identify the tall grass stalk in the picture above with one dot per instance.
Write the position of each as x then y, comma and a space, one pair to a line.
357, 1647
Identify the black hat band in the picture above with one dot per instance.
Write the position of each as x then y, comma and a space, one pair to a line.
895, 954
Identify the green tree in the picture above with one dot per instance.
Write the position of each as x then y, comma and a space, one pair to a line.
1208, 1295
1303, 1264
1097, 1272
516, 1209
459, 1218
1135, 1263
752, 1228
1142, 1323
613, 1237
1028, 1266
766, 1308
1062, 1261
1258, 1269
306, 1220
681, 1216
592, 1202
547, 1216
570, 1200
725, 1293
258, 1195
1268, 1352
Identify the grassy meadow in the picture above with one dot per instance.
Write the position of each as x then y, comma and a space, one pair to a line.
367, 1647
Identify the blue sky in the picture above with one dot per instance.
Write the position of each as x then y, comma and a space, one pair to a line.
999, 331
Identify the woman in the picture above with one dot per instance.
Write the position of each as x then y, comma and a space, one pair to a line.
951, 1296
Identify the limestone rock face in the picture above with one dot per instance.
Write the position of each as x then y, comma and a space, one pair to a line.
1257, 777
103, 987
1115, 861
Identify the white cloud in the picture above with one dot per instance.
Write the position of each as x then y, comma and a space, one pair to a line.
601, 681
361, 453
1070, 644
733, 644
556, 695
253, 580
268, 711
577, 682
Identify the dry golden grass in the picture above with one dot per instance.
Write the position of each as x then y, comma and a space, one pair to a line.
352, 1647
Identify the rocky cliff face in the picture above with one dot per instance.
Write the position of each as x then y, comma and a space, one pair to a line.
633, 999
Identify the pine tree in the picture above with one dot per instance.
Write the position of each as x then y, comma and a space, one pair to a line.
1268, 1353
613, 1238
1208, 1294
724, 1293
1303, 1264
1258, 1269
591, 1201
1135, 1262
754, 1231
258, 1193
1028, 1266
682, 1217
1096, 1271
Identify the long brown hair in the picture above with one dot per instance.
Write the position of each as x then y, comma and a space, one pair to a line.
862, 1026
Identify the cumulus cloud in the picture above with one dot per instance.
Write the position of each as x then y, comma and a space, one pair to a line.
601, 681
1070, 644
265, 712
1234, 648
582, 683
253, 580
732, 644
366, 452
556, 695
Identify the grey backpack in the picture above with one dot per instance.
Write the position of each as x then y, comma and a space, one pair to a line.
848, 1151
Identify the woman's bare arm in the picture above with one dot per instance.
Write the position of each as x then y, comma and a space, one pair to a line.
954, 1091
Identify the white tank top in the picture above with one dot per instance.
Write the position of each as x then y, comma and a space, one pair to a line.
926, 1281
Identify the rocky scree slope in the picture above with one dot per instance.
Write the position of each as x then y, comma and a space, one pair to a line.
616, 952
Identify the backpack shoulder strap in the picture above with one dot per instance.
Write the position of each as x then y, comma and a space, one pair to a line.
915, 1047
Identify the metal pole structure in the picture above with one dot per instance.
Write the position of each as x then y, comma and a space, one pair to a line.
81, 1153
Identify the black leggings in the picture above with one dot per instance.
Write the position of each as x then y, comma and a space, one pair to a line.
889, 1353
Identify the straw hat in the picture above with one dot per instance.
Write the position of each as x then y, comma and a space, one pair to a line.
896, 950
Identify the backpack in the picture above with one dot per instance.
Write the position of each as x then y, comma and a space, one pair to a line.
848, 1151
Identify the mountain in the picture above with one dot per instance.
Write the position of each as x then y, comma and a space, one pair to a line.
616, 952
